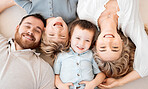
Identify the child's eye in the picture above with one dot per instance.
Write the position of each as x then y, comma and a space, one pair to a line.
87, 40
51, 34
78, 38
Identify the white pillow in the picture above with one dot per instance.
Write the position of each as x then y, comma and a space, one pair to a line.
9, 19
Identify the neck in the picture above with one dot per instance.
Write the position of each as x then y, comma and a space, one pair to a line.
17, 46
108, 25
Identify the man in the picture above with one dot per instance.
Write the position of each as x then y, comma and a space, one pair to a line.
20, 66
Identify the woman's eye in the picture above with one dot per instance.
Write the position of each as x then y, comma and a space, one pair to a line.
63, 36
115, 47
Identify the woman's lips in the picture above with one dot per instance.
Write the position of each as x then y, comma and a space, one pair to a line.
108, 36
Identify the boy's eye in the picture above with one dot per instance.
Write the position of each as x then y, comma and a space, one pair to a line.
78, 38
51, 34
87, 40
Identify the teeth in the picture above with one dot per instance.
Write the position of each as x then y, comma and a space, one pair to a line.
108, 36
28, 38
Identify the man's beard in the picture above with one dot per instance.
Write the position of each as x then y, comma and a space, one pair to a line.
25, 44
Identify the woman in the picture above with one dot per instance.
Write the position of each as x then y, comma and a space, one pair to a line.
124, 15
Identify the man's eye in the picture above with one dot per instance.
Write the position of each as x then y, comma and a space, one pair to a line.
27, 26
38, 31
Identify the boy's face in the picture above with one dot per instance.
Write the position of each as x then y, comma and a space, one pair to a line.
57, 30
81, 39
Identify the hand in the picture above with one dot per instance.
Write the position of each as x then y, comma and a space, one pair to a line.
65, 85
109, 83
88, 85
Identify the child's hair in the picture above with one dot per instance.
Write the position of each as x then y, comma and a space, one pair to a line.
51, 48
84, 25
122, 65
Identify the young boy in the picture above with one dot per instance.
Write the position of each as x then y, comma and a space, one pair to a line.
76, 69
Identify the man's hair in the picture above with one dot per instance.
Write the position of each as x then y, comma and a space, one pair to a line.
84, 25
123, 65
36, 16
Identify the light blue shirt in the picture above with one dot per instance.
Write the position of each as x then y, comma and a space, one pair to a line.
75, 68
51, 8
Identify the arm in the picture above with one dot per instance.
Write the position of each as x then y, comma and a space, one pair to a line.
60, 85
6, 4
134, 28
95, 82
46, 80
111, 82
26, 4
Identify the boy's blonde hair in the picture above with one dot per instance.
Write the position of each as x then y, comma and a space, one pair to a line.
121, 66
51, 48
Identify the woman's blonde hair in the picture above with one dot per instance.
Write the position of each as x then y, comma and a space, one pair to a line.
121, 66
51, 48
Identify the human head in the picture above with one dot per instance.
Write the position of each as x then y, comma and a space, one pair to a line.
29, 31
123, 65
109, 43
82, 34
56, 30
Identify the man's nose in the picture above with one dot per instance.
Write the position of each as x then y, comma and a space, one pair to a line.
30, 31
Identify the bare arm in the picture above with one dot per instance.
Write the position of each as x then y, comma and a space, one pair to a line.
59, 84
4, 4
111, 82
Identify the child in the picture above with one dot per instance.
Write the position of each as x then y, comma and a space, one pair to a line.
77, 68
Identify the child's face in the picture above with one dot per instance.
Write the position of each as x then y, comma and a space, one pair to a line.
81, 40
57, 30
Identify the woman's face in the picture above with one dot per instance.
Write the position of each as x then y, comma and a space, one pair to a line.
109, 46
57, 30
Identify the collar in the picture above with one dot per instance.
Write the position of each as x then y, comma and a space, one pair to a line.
13, 49
74, 53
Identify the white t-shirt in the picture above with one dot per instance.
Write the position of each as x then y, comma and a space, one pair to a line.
130, 23
23, 69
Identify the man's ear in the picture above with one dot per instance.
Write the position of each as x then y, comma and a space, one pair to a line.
17, 27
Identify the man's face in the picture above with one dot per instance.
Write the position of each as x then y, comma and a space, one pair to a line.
28, 34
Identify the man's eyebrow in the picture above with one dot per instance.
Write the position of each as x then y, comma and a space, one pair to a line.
31, 24
27, 23
39, 28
